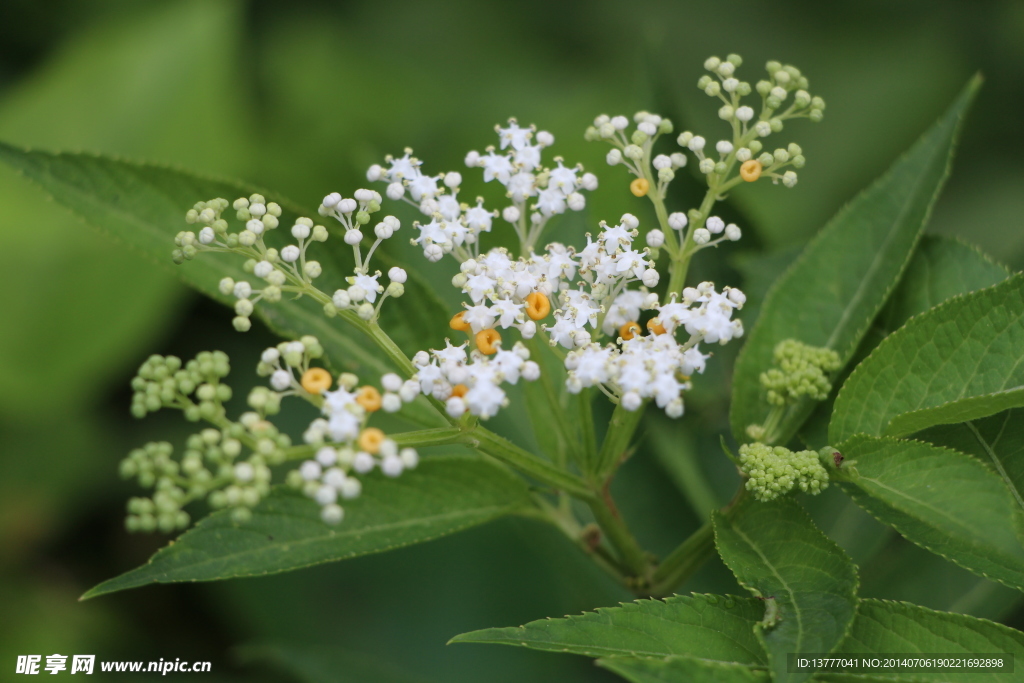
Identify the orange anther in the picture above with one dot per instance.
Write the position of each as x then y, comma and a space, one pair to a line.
316, 380
371, 439
655, 326
369, 398
639, 187
457, 323
750, 170
629, 330
459, 390
487, 341
537, 306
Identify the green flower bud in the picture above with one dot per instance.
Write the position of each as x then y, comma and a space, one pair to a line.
775, 471
241, 515
639, 137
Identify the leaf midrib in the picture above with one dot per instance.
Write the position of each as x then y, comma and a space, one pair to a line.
476, 512
877, 261
785, 585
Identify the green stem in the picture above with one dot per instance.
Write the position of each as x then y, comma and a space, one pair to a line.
686, 559
565, 522
614, 528
692, 553
490, 443
681, 261
621, 428
588, 439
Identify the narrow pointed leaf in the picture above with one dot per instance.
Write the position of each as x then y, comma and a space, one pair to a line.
884, 627
941, 268
943, 500
443, 495
840, 282
997, 441
778, 554
960, 361
682, 670
705, 626
143, 206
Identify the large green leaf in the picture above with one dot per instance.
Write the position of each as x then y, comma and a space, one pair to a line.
960, 361
705, 626
940, 269
134, 91
682, 670
443, 495
778, 554
143, 205
997, 441
840, 282
883, 627
945, 501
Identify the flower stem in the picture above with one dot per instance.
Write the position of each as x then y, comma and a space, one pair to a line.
692, 553
614, 528
621, 428
490, 443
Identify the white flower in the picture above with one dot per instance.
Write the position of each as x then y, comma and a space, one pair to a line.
496, 166
514, 135
677, 220
369, 285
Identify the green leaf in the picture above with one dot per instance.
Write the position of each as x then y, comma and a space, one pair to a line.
443, 495
682, 670
883, 627
143, 205
778, 554
940, 269
942, 500
134, 91
997, 441
840, 282
960, 361
705, 626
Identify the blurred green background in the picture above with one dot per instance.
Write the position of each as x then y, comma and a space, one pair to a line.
301, 97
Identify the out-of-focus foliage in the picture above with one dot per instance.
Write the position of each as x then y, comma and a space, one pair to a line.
302, 97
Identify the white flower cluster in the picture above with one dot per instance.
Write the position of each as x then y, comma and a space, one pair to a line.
657, 366
472, 382
537, 192
347, 446
604, 268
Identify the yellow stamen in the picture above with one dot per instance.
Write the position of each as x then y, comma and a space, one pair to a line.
487, 341
629, 330
655, 326
459, 390
369, 398
537, 306
371, 439
316, 380
457, 323
750, 170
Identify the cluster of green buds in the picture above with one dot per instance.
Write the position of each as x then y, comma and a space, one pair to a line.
800, 370
228, 465
774, 471
288, 367
164, 382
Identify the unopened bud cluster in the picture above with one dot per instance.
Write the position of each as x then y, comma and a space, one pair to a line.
800, 370
228, 464
774, 471
164, 382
